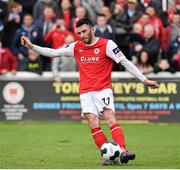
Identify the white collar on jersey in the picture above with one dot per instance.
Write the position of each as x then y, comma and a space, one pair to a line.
97, 38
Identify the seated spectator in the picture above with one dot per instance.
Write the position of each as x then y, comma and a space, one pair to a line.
28, 29
132, 12
8, 62
62, 63
143, 21
3, 14
163, 65
151, 44
135, 43
33, 63
107, 12
75, 4
157, 24
46, 21
56, 37
120, 18
143, 62
80, 12
102, 29
41, 4
66, 11
44, 25
172, 32
171, 10
13, 23
176, 60
117, 3
93, 7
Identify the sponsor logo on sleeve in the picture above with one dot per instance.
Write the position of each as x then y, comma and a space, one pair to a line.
116, 50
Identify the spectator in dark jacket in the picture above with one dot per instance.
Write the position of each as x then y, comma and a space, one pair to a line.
132, 12
152, 45
3, 10
30, 31
27, 5
102, 29
13, 23
135, 41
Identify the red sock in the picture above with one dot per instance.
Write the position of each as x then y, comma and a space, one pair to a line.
117, 135
99, 137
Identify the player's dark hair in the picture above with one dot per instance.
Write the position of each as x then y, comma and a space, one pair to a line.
100, 15
84, 21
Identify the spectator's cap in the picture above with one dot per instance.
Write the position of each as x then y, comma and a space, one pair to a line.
132, 1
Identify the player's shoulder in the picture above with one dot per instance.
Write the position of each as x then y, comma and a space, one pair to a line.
105, 40
113, 47
111, 43
101, 41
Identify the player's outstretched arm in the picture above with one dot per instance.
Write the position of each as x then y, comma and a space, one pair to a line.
49, 52
136, 72
113, 51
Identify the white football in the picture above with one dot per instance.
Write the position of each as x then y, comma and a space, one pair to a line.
110, 151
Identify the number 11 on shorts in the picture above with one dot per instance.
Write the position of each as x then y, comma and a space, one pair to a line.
106, 101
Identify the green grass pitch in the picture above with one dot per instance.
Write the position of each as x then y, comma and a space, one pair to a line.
70, 145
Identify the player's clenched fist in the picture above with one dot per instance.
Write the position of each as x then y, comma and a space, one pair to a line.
151, 83
26, 42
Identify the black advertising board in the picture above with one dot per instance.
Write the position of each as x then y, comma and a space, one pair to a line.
49, 100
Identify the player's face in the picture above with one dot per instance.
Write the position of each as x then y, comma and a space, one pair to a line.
85, 32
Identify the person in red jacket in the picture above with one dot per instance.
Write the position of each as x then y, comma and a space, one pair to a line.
8, 62
56, 37
156, 22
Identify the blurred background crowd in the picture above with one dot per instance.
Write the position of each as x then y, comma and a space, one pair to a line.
147, 32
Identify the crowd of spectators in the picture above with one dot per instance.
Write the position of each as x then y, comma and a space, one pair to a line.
147, 32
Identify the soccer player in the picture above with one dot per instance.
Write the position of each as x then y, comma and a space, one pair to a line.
94, 57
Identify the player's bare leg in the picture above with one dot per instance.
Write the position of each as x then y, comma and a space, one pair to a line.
117, 135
